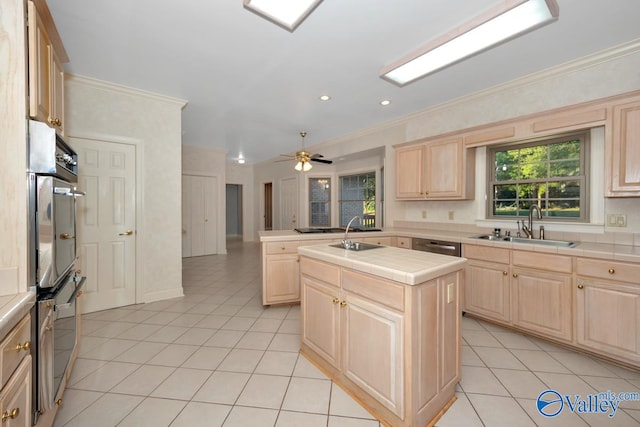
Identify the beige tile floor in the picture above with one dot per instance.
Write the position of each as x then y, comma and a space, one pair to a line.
217, 357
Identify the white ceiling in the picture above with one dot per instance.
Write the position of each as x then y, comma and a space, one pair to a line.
251, 86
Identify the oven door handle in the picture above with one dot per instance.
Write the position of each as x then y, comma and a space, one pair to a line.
71, 192
73, 296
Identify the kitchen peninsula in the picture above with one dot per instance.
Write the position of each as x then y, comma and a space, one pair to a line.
384, 323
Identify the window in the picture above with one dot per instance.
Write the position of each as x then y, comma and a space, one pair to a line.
319, 202
550, 173
358, 197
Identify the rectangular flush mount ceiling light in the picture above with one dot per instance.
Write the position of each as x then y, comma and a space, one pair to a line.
286, 13
508, 20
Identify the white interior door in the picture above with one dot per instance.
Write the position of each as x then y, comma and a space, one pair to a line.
199, 215
289, 203
106, 225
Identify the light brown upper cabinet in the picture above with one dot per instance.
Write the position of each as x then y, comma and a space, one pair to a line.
436, 170
46, 75
623, 151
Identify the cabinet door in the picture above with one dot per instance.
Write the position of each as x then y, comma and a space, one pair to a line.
372, 350
487, 290
623, 151
39, 63
608, 318
15, 403
410, 172
444, 169
541, 302
281, 275
56, 97
321, 319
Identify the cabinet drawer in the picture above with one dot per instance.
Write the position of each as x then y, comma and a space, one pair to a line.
282, 247
374, 288
328, 273
610, 270
12, 348
486, 253
547, 262
384, 241
404, 242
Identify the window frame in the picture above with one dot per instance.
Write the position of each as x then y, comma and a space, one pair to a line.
583, 136
376, 190
311, 201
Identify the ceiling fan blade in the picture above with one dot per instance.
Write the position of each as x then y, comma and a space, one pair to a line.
317, 156
328, 162
288, 155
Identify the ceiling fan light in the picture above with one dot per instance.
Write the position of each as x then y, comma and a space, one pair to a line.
298, 166
306, 167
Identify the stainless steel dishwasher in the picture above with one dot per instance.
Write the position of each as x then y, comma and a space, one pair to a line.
437, 246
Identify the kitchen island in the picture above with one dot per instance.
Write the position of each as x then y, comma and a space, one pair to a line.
384, 324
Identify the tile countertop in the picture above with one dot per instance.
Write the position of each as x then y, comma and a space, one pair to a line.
13, 308
607, 251
399, 265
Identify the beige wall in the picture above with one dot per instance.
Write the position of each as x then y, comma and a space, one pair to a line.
13, 133
607, 73
103, 111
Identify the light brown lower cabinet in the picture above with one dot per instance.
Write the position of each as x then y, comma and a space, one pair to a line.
15, 373
15, 400
525, 289
608, 308
395, 347
542, 302
487, 290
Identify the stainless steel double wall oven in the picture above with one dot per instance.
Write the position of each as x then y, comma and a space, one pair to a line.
52, 178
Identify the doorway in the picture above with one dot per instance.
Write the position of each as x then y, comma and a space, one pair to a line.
234, 210
268, 206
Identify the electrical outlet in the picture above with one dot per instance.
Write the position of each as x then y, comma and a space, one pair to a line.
621, 221
616, 220
424, 214
450, 293
451, 215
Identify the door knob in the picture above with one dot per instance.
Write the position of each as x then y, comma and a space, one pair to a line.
66, 236
126, 233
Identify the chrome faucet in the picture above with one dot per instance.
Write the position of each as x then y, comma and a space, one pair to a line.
528, 229
346, 243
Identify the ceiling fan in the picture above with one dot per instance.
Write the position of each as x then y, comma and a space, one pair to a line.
305, 158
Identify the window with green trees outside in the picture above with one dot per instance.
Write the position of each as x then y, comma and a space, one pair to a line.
551, 174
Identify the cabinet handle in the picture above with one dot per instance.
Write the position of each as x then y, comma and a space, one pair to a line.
504, 273
612, 271
580, 286
13, 414
26, 346
335, 300
515, 275
343, 303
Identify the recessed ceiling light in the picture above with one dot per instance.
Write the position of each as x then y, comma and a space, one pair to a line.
325, 98
287, 14
385, 102
504, 22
